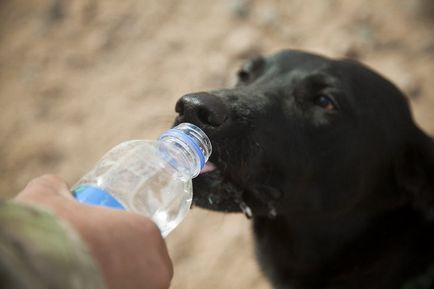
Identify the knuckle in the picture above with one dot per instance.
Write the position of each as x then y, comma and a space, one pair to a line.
43, 187
47, 181
50, 179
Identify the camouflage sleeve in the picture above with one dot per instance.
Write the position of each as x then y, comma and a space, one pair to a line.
39, 251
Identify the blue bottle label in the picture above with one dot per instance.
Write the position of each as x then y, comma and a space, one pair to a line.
96, 196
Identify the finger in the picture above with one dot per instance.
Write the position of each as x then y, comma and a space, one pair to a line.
151, 230
46, 185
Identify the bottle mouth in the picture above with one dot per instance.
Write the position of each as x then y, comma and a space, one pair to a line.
194, 137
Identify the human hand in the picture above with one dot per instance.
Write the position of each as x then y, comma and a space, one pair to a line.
128, 247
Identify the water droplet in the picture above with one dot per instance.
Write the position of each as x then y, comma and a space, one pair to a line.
272, 213
246, 210
210, 200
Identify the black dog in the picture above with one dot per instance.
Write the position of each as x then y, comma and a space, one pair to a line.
325, 157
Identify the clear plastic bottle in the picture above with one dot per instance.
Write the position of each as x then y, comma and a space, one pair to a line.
152, 178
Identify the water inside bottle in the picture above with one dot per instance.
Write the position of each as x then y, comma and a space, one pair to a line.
164, 198
150, 187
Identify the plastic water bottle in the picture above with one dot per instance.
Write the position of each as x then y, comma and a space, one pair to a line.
152, 178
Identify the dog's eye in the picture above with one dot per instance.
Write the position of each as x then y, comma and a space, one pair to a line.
326, 102
243, 75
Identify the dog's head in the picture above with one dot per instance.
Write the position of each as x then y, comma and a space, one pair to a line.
304, 134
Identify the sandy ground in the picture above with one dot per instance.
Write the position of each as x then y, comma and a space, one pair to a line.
78, 77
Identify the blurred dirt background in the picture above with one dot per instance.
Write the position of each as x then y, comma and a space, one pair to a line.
78, 77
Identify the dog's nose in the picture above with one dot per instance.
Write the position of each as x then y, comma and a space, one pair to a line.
201, 108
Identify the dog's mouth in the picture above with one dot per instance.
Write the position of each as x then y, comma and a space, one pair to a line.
214, 189
224, 187
233, 179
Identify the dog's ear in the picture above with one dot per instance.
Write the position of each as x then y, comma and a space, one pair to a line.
414, 172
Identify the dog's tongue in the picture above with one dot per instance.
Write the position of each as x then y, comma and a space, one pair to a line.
208, 167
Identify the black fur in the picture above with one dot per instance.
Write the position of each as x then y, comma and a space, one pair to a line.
326, 156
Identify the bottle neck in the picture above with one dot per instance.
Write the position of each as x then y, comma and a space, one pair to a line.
181, 155
186, 147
